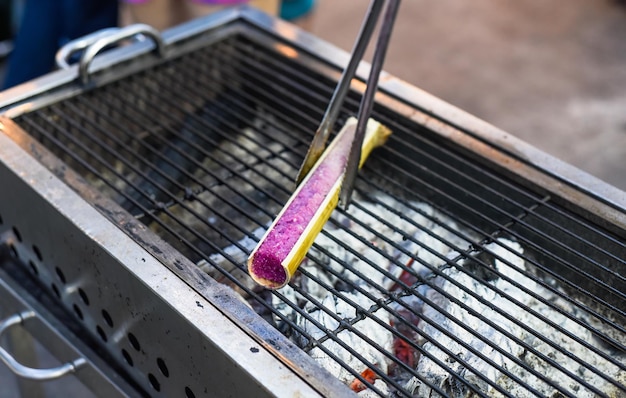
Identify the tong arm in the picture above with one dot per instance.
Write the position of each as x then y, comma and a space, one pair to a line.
365, 109
334, 106
367, 102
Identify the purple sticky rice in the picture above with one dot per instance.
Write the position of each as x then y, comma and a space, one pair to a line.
267, 261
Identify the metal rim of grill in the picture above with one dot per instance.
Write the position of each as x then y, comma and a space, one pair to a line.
203, 149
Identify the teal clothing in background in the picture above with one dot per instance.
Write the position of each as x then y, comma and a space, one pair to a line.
294, 9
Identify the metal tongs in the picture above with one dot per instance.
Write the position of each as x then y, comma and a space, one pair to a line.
332, 111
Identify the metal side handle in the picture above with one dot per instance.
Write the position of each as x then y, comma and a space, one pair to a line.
63, 55
28, 372
122, 34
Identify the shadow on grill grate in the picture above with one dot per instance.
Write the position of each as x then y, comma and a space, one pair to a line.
443, 277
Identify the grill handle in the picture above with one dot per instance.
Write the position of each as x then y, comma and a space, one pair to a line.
28, 372
62, 56
136, 31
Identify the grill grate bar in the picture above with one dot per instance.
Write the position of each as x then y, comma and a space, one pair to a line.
270, 60
232, 171
411, 290
578, 253
200, 252
531, 211
323, 91
506, 227
369, 313
485, 302
190, 244
111, 150
528, 242
467, 254
261, 67
534, 262
390, 381
159, 207
541, 233
571, 249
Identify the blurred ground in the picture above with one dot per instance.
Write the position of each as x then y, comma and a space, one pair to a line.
551, 72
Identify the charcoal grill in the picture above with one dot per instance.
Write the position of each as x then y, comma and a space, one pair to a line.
468, 264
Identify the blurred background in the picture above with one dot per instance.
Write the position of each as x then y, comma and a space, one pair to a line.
551, 72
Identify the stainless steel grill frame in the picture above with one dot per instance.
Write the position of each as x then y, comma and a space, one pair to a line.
491, 184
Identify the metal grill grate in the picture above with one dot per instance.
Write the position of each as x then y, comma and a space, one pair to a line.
444, 276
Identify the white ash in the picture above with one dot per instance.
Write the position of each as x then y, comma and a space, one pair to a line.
238, 253
231, 260
378, 284
379, 385
348, 237
368, 327
443, 242
440, 377
436, 374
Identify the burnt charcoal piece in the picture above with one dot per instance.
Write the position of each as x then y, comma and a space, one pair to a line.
482, 266
182, 152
